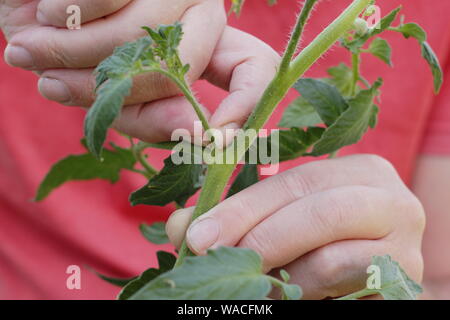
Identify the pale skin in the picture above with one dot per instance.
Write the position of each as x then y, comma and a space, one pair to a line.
321, 221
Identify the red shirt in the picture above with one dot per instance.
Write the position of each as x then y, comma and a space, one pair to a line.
90, 224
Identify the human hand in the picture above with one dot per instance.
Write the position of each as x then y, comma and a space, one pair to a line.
65, 58
322, 222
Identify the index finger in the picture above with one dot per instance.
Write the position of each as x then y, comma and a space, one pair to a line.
256, 203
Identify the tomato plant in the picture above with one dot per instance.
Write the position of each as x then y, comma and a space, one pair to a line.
331, 113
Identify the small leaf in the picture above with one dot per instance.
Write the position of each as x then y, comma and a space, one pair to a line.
300, 114
124, 60
86, 167
247, 177
116, 281
351, 125
341, 78
433, 61
173, 183
395, 283
325, 98
291, 291
156, 233
105, 110
236, 6
380, 48
223, 274
412, 30
166, 262
284, 275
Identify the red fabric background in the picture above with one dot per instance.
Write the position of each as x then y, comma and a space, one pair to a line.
91, 223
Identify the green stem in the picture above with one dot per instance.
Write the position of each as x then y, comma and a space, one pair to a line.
187, 92
356, 63
296, 34
216, 180
218, 175
360, 294
137, 150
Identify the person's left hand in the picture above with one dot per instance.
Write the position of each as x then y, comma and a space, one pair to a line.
322, 222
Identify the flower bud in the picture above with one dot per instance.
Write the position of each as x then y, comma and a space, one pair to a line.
360, 26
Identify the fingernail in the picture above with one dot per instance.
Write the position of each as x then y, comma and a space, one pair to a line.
18, 57
54, 90
41, 18
203, 234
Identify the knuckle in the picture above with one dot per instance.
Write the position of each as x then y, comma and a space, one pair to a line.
258, 240
295, 183
331, 265
411, 206
378, 164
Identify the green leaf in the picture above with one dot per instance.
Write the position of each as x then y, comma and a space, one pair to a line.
290, 144
86, 167
116, 281
156, 233
223, 274
325, 98
300, 114
173, 183
236, 6
412, 30
395, 283
351, 125
125, 60
247, 177
166, 262
341, 78
284, 275
105, 110
380, 48
433, 61
291, 291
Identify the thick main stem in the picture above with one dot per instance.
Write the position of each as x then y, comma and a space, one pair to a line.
218, 174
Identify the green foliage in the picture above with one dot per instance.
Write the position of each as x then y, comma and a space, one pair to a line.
341, 77
156, 233
325, 98
300, 114
351, 125
157, 52
395, 283
104, 111
225, 273
116, 281
86, 167
431, 58
174, 183
166, 262
247, 177
380, 48
236, 5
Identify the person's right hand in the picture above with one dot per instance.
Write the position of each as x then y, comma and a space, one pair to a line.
65, 58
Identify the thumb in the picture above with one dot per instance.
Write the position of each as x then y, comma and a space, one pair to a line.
178, 224
243, 65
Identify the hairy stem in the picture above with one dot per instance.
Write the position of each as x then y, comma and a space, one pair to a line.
218, 175
296, 34
357, 295
187, 92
